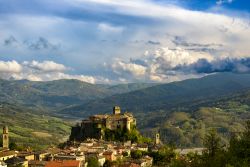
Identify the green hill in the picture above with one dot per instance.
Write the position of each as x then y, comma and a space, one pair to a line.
184, 95
32, 128
58, 94
181, 111
186, 129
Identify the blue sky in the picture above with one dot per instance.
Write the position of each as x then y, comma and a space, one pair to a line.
113, 41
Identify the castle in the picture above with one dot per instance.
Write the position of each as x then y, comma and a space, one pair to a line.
94, 126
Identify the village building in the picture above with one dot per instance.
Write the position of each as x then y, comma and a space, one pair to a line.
4, 155
142, 147
94, 126
2, 164
17, 161
109, 155
26, 155
37, 163
68, 163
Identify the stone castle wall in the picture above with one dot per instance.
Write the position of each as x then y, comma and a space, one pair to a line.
93, 127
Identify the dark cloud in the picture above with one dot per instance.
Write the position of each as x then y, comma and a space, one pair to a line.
138, 61
208, 50
38, 44
153, 42
197, 47
222, 65
41, 44
10, 41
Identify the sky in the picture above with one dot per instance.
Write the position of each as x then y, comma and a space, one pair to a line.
122, 41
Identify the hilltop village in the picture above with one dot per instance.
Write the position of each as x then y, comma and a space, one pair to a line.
97, 125
112, 140
101, 140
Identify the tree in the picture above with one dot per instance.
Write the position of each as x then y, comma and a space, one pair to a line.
239, 150
137, 154
107, 163
212, 143
163, 156
13, 146
214, 155
93, 162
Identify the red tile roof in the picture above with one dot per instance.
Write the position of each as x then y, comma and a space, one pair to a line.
66, 163
130, 165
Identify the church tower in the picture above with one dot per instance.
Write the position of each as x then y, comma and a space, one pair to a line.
157, 139
116, 110
5, 137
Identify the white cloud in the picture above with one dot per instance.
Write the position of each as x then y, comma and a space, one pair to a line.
121, 67
118, 23
159, 65
42, 71
46, 66
10, 67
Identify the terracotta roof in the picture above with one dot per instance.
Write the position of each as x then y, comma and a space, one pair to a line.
129, 165
34, 162
108, 153
24, 153
142, 145
65, 163
7, 153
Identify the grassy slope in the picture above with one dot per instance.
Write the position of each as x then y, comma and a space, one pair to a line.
32, 128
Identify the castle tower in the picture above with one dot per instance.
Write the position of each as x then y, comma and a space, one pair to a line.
157, 138
5, 137
116, 110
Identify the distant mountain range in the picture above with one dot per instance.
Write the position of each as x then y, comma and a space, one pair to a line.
174, 96
60, 93
181, 111
77, 98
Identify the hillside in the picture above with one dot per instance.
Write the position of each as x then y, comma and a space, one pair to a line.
49, 94
125, 88
183, 95
181, 111
56, 94
32, 128
186, 129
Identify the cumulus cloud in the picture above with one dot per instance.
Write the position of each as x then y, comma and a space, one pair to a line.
159, 65
206, 38
239, 65
166, 65
121, 67
10, 67
46, 66
41, 71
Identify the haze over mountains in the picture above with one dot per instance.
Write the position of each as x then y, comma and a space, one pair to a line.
172, 96
59, 93
81, 98
193, 106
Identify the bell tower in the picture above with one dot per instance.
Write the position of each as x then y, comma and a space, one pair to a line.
5, 137
157, 138
116, 110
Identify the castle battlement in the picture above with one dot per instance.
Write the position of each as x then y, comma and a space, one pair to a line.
94, 125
